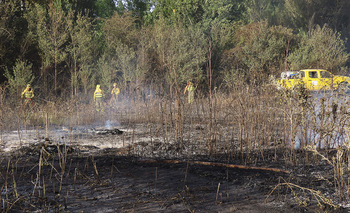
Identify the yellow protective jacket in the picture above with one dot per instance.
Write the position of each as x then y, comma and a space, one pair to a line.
115, 91
189, 88
28, 93
98, 93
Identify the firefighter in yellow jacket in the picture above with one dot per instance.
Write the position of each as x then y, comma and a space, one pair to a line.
28, 94
115, 92
98, 98
190, 89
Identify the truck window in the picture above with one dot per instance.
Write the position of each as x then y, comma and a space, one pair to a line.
325, 74
302, 74
313, 74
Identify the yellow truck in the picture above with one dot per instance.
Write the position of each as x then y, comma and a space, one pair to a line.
314, 79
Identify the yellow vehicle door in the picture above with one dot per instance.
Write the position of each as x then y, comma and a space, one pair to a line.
326, 80
313, 80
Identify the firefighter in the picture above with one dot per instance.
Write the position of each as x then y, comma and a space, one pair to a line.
28, 94
115, 92
190, 89
98, 98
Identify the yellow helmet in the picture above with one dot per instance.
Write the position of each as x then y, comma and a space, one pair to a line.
115, 84
28, 85
98, 86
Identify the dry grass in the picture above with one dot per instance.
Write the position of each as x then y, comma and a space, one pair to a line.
235, 125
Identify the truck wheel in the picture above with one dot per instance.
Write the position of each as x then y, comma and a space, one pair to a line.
344, 87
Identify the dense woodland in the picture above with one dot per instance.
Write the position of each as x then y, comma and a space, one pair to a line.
63, 48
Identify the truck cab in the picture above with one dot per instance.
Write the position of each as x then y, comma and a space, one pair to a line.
314, 79
317, 79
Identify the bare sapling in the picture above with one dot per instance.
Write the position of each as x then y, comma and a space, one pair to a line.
97, 176
164, 120
155, 181
340, 169
217, 193
62, 160
303, 199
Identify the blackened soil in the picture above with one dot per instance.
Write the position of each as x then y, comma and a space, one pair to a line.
40, 180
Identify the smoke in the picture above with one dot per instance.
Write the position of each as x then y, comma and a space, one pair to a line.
111, 124
324, 125
314, 137
108, 124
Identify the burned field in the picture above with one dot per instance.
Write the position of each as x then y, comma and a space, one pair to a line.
247, 155
149, 176
123, 184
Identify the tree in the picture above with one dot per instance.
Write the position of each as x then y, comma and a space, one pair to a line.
297, 14
121, 29
104, 8
259, 51
300, 14
80, 51
333, 13
188, 11
6, 10
321, 48
182, 56
106, 67
182, 52
52, 33
120, 58
127, 64
86, 76
138, 8
147, 57
263, 10
14, 42
222, 12
22, 75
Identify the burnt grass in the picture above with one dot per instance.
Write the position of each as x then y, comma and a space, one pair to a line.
163, 177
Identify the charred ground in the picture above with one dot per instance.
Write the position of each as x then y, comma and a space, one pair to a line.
159, 157
55, 177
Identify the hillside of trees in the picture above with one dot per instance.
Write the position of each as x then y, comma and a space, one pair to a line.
65, 47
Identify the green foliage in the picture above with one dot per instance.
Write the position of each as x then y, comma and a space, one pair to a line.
300, 14
106, 69
182, 51
218, 12
222, 39
188, 11
260, 10
80, 51
146, 57
83, 7
120, 29
52, 33
22, 75
6, 11
138, 8
333, 13
169, 41
13, 32
127, 64
120, 67
295, 14
104, 8
86, 77
320, 48
259, 50
119, 61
